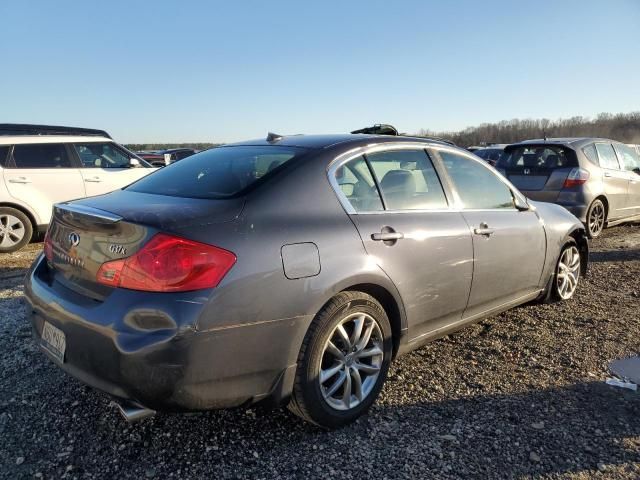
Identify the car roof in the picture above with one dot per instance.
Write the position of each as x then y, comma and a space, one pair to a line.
27, 139
326, 141
573, 142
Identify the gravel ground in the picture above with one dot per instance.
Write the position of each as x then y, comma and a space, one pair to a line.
519, 395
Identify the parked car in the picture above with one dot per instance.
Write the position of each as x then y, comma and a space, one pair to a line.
491, 154
596, 179
290, 270
42, 165
162, 158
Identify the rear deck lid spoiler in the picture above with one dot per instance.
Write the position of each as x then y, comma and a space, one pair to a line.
67, 209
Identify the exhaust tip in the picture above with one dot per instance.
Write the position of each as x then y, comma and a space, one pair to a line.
132, 412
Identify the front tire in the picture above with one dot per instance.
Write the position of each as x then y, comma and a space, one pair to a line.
15, 230
343, 362
567, 275
596, 218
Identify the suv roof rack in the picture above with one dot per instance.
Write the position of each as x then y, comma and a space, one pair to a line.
26, 129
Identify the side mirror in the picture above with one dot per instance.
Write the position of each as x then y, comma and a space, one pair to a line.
134, 162
521, 204
636, 170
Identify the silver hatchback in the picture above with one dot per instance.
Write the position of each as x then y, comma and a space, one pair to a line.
596, 179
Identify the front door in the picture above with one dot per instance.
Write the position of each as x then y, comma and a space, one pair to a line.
105, 167
424, 247
509, 245
40, 175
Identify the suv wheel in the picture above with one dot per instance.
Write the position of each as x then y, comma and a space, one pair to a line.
567, 273
15, 230
596, 218
343, 361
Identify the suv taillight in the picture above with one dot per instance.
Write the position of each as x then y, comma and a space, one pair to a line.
168, 264
48, 247
577, 176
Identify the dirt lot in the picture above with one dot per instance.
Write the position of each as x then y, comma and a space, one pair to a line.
519, 395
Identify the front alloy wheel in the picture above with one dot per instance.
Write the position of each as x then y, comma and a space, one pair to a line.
568, 272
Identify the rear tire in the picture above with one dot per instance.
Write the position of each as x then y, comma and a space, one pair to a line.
16, 230
343, 362
596, 218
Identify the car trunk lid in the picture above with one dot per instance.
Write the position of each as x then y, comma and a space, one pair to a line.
85, 234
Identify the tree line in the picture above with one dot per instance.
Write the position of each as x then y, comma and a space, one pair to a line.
623, 127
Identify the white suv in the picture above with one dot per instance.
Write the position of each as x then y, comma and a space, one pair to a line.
42, 165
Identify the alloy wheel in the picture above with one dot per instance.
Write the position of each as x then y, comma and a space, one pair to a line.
596, 219
12, 231
351, 361
568, 272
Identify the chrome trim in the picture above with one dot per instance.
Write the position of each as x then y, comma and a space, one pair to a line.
90, 211
345, 157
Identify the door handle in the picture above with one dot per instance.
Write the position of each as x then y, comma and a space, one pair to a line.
19, 180
483, 230
607, 174
93, 180
387, 236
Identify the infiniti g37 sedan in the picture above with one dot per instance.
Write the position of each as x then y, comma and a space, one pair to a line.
291, 270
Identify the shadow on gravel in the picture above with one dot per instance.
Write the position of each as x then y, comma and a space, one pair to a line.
615, 255
553, 431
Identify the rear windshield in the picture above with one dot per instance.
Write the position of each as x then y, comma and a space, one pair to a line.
217, 173
539, 157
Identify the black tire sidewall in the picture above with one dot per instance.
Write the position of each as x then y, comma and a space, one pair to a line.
591, 207
318, 409
28, 229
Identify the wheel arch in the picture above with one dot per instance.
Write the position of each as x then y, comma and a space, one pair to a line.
28, 213
579, 235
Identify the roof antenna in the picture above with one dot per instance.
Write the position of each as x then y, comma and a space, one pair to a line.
273, 137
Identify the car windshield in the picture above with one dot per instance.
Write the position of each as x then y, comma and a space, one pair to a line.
540, 157
217, 173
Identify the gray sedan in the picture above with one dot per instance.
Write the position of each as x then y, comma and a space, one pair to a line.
290, 270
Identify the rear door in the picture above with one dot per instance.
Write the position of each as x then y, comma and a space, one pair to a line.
509, 245
630, 162
42, 174
615, 180
538, 170
106, 167
414, 237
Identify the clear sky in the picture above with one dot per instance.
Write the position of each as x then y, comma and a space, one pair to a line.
178, 71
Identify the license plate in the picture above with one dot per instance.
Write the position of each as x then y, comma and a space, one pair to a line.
54, 341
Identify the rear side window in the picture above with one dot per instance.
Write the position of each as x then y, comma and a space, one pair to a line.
41, 155
477, 186
537, 158
4, 153
607, 156
217, 173
356, 183
591, 154
102, 155
407, 180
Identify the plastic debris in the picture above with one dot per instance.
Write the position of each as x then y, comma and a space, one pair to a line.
622, 384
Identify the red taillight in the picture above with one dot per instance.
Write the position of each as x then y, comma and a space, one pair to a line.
577, 176
169, 264
48, 247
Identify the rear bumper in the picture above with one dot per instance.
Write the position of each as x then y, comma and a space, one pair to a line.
172, 368
572, 201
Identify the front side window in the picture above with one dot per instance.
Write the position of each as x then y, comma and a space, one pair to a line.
356, 183
41, 155
607, 156
628, 157
4, 153
217, 173
102, 155
478, 187
407, 180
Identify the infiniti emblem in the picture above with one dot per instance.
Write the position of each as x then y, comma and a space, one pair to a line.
74, 239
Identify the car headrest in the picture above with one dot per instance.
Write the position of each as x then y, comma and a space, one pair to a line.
398, 181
